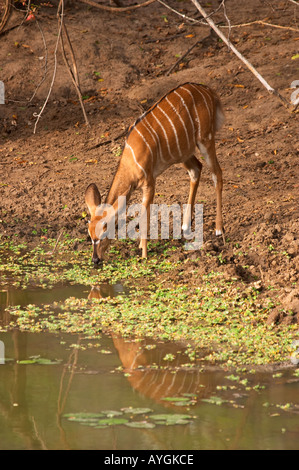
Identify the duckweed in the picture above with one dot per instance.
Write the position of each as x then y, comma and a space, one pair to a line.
215, 315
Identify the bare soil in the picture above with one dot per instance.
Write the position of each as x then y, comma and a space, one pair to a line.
123, 60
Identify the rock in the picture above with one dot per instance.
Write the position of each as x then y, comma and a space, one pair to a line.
268, 216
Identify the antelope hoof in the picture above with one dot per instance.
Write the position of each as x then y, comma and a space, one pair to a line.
219, 232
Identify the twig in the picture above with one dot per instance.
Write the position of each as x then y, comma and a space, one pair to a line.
188, 18
227, 18
181, 58
57, 241
229, 26
38, 115
186, 53
264, 23
6, 15
271, 90
46, 61
100, 144
117, 9
73, 73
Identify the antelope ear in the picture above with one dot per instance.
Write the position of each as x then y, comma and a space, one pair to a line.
92, 198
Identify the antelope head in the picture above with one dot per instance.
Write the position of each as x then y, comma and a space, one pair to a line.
97, 225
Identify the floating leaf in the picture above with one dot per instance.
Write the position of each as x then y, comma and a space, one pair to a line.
112, 413
141, 424
27, 361
84, 417
136, 411
112, 421
38, 360
176, 399
214, 400
170, 419
179, 401
44, 361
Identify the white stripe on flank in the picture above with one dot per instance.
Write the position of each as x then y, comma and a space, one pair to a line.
154, 135
188, 112
144, 140
180, 118
197, 117
165, 135
138, 164
173, 128
203, 96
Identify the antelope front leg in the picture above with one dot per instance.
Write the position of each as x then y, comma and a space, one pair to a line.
148, 197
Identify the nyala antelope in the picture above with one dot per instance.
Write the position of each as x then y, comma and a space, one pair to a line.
186, 118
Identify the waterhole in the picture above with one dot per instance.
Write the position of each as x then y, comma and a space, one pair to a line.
66, 391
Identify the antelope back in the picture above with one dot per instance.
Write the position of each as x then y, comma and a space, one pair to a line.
171, 129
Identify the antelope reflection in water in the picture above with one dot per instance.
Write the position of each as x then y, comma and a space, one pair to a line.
150, 372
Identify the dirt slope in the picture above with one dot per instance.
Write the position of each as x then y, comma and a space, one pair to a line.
123, 60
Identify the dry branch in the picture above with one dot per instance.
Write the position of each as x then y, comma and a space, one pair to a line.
117, 9
211, 23
206, 39
73, 72
38, 115
6, 14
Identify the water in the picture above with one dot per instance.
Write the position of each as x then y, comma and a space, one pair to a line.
254, 411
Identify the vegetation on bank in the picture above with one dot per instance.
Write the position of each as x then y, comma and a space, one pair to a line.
223, 317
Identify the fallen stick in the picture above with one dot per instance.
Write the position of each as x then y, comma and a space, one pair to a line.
73, 73
117, 9
211, 23
187, 52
